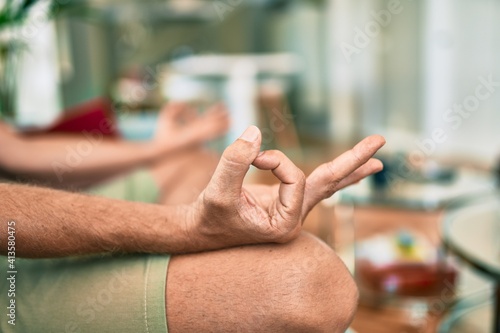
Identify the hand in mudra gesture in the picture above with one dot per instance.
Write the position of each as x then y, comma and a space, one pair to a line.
227, 213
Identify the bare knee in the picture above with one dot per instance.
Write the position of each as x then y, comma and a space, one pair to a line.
301, 286
323, 295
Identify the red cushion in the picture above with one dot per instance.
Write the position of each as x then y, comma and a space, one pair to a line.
96, 114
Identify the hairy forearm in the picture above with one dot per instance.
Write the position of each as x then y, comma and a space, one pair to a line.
50, 223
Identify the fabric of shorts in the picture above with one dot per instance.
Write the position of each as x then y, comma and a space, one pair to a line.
91, 294
139, 185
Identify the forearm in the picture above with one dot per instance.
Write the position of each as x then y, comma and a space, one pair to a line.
66, 158
50, 223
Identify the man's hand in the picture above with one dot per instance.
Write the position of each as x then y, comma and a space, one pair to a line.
180, 124
228, 214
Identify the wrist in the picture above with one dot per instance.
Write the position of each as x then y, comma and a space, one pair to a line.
193, 227
159, 229
159, 147
151, 151
190, 227
189, 222
202, 229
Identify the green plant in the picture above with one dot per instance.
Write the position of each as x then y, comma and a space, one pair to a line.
15, 12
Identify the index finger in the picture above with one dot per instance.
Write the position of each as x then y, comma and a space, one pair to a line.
291, 188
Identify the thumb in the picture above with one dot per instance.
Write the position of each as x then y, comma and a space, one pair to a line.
235, 162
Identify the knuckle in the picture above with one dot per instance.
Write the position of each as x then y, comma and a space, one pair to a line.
236, 156
231, 165
330, 168
332, 179
355, 155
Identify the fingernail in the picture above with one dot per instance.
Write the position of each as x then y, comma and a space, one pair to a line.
251, 134
260, 153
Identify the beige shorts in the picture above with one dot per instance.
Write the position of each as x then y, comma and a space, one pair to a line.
139, 185
88, 294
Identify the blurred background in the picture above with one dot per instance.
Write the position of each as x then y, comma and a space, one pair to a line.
345, 68
315, 75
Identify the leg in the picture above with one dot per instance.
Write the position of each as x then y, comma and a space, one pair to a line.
103, 293
181, 177
301, 286
178, 179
